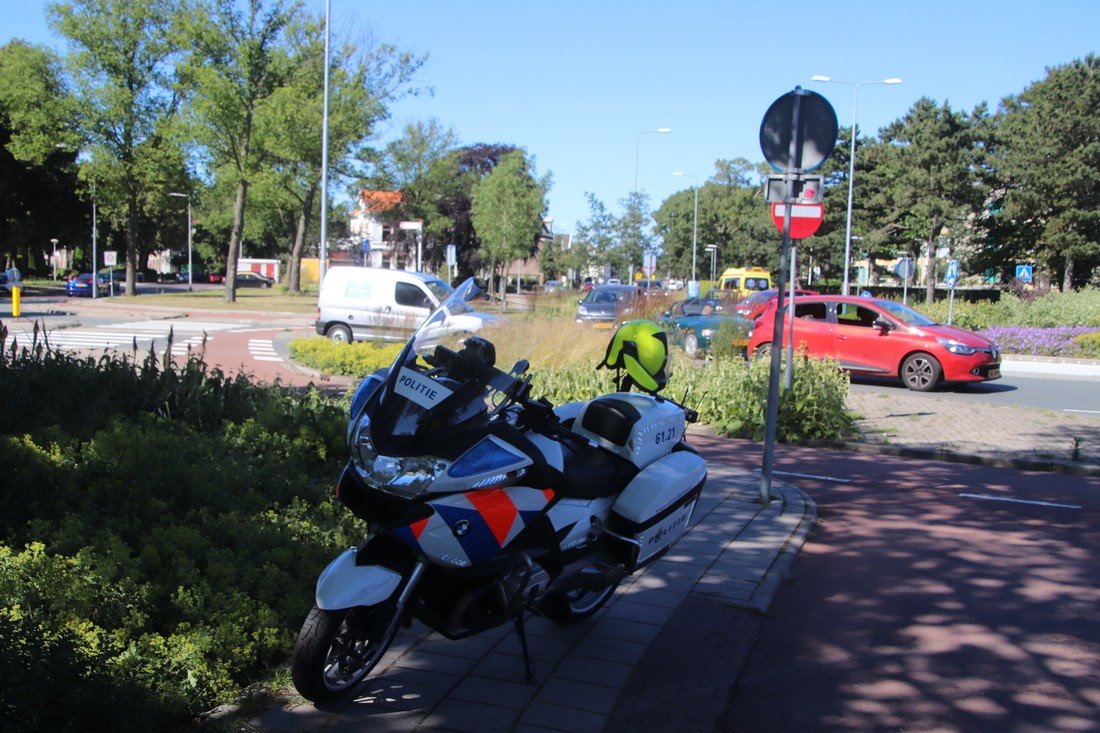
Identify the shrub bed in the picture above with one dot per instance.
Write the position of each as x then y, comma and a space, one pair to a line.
356, 359
162, 530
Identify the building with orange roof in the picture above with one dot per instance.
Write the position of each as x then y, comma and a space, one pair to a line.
375, 220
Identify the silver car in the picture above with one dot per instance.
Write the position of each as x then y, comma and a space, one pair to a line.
607, 305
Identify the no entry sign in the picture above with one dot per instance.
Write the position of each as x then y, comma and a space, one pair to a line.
805, 218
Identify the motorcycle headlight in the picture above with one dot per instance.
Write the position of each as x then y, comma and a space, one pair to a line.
956, 347
404, 476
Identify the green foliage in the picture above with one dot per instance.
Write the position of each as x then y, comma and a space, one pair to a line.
731, 395
162, 531
1089, 344
507, 211
356, 359
1073, 308
1047, 170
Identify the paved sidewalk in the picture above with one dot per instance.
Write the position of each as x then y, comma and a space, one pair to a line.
935, 426
660, 656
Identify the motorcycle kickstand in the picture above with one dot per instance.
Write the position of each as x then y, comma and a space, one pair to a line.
521, 632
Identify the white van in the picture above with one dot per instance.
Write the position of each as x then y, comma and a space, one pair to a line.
366, 303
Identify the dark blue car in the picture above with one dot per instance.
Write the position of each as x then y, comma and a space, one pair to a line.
695, 322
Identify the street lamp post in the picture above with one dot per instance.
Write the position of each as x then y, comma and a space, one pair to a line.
852, 161
694, 221
190, 269
53, 258
637, 145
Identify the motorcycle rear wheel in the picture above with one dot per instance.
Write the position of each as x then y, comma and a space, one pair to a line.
573, 606
337, 649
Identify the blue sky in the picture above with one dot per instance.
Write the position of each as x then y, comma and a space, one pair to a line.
574, 82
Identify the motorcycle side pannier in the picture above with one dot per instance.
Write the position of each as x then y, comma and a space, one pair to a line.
655, 509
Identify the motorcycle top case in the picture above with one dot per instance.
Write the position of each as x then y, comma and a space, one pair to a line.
640, 428
655, 508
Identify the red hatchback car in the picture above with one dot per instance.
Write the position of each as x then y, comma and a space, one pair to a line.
882, 338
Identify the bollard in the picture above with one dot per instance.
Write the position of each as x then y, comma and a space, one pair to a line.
16, 291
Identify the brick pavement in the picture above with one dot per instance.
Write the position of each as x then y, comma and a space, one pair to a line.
614, 671
939, 427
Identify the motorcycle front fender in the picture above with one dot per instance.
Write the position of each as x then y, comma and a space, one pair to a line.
344, 584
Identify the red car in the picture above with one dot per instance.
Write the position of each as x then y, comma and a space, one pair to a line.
753, 305
874, 337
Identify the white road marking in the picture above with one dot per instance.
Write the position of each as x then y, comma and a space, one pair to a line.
263, 350
1020, 501
810, 476
91, 340
1086, 412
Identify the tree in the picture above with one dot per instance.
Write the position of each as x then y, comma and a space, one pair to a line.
421, 164
123, 54
507, 211
1047, 165
927, 168
238, 61
597, 235
633, 233
37, 187
361, 84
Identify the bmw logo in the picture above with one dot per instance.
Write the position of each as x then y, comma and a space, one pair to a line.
461, 528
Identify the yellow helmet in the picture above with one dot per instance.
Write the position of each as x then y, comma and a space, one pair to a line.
641, 348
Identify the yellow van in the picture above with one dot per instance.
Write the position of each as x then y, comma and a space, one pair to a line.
739, 282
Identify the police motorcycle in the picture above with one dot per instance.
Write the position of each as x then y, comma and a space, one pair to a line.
484, 505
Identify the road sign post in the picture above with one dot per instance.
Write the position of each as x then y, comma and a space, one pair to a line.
797, 134
905, 269
952, 278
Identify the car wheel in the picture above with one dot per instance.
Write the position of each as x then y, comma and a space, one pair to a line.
691, 343
340, 334
921, 372
763, 351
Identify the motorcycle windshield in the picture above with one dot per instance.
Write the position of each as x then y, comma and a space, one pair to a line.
418, 403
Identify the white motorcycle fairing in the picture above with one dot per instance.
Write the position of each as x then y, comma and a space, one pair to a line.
343, 584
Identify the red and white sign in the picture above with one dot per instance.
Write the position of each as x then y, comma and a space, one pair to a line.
805, 218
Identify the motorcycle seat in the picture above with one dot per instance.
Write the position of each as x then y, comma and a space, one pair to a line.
593, 473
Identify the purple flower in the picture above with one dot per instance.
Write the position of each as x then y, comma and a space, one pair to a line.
1057, 341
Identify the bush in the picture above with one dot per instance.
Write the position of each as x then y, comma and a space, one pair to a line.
162, 530
357, 359
1075, 308
730, 395
1088, 345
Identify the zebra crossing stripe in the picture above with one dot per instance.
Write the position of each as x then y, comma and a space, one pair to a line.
263, 350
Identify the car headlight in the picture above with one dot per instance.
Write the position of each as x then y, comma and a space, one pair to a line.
956, 347
407, 477
582, 311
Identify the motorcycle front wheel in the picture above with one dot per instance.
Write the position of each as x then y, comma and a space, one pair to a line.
570, 607
337, 649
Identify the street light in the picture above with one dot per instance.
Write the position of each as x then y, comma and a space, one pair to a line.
695, 220
852, 161
53, 259
712, 248
190, 269
638, 142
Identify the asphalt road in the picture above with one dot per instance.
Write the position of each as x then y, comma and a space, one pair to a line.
1047, 392
932, 596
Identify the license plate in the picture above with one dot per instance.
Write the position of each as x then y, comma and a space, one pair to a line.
603, 324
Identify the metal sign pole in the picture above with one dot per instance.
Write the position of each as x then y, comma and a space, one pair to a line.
788, 383
772, 416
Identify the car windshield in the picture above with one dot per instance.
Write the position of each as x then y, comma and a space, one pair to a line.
905, 314
609, 295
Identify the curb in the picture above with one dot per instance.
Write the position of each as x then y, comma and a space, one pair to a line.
779, 572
